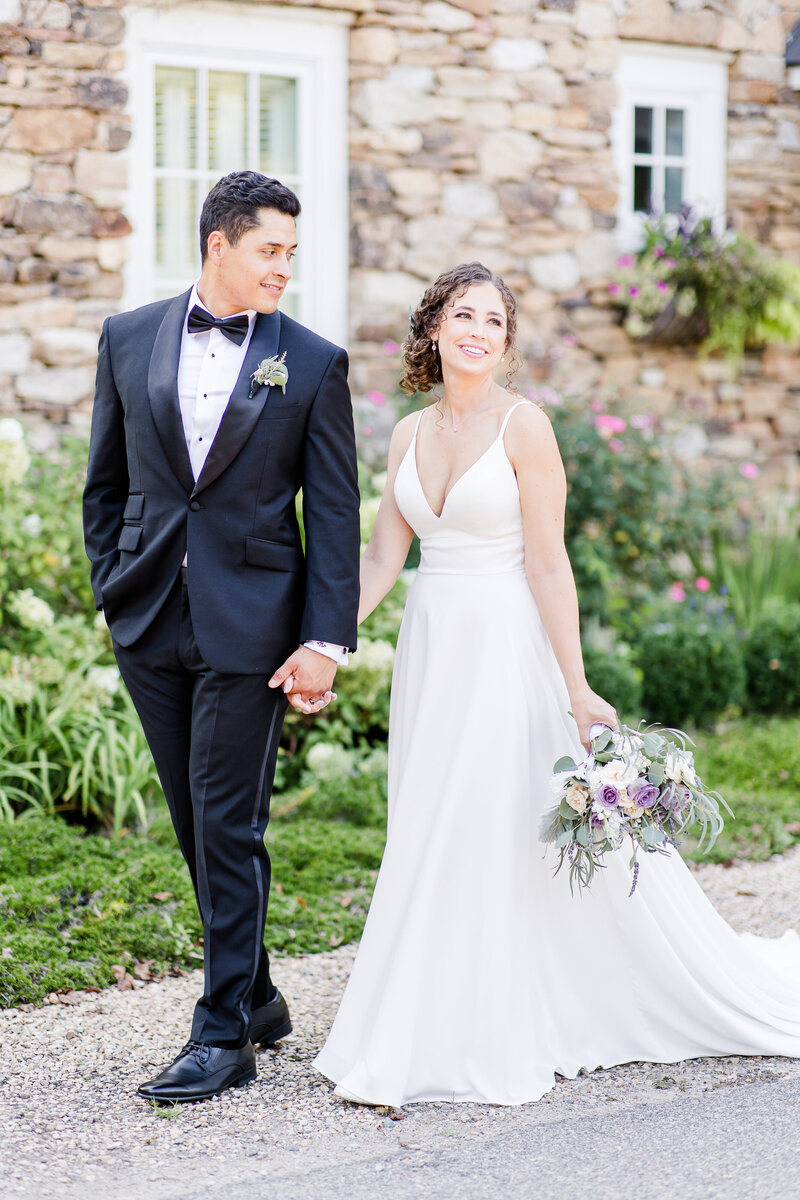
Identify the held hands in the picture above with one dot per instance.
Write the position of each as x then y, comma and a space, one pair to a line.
306, 677
590, 709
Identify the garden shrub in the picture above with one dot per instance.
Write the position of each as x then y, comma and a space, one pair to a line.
772, 657
692, 668
631, 508
614, 677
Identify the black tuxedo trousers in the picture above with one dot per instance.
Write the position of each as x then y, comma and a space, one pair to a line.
214, 739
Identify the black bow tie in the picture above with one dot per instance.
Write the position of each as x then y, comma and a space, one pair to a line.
235, 328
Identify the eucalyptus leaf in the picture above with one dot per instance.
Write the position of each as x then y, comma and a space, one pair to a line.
564, 764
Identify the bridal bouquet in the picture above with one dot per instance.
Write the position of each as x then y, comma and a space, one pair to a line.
634, 783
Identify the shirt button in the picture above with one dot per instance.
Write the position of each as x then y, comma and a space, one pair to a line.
205, 395
199, 439
194, 505
213, 356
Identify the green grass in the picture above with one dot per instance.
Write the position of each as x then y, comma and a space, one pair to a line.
73, 905
755, 764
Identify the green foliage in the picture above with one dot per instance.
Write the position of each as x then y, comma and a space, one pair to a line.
630, 509
692, 667
74, 906
614, 676
758, 569
742, 298
755, 764
772, 656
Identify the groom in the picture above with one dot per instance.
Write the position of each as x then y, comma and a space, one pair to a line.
197, 562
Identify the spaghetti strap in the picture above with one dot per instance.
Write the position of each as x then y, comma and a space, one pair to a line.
419, 418
508, 414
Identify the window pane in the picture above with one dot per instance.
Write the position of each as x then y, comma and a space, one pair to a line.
278, 126
674, 138
176, 117
642, 189
176, 230
227, 121
643, 130
673, 189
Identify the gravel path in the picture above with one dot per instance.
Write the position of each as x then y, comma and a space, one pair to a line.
71, 1122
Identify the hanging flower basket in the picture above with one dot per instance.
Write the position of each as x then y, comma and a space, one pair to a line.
670, 328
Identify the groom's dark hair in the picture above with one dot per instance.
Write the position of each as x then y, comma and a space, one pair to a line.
232, 205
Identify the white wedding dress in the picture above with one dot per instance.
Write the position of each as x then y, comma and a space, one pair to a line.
479, 975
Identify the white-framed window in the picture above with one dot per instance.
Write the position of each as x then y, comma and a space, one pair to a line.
220, 87
669, 133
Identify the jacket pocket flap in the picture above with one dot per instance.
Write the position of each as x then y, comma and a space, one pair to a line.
130, 537
134, 508
277, 555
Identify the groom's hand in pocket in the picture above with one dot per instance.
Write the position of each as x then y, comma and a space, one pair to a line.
307, 678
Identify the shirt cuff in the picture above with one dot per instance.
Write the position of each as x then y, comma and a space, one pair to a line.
337, 653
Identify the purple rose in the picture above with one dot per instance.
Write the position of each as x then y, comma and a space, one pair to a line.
607, 795
643, 793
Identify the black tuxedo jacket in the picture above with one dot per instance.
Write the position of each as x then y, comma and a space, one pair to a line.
254, 593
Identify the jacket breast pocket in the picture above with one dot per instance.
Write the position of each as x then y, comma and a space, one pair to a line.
276, 411
130, 537
278, 556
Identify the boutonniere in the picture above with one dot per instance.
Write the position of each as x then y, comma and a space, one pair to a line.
270, 372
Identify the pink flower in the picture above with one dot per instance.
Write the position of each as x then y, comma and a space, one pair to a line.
658, 251
670, 262
677, 593
702, 584
662, 286
633, 291
616, 446
614, 289
641, 421
376, 398
367, 430
547, 395
390, 347
625, 260
607, 423
749, 470
596, 405
569, 340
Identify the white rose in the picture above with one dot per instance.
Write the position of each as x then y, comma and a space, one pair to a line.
616, 772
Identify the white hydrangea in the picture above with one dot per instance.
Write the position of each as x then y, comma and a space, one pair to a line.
328, 761
369, 512
30, 611
31, 525
14, 456
104, 680
17, 690
376, 656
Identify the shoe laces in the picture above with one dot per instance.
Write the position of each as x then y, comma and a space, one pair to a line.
197, 1050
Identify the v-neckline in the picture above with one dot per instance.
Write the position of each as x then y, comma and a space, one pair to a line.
453, 486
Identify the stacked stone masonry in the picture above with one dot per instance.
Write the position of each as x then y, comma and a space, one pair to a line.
478, 129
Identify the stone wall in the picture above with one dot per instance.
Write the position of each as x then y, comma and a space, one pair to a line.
479, 129
62, 186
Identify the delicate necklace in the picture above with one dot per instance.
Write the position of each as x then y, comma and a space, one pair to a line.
455, 428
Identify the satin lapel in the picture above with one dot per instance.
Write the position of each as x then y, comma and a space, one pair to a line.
241, 413
162, 389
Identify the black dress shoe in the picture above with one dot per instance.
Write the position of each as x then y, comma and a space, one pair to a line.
271, 1022
200, 1072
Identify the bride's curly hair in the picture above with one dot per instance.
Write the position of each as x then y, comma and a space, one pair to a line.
422, 368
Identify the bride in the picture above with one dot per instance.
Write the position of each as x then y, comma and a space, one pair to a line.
479, 975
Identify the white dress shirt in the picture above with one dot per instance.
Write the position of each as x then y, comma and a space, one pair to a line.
207, 372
